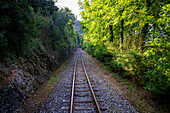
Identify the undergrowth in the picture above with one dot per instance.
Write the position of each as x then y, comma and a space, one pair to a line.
54, 78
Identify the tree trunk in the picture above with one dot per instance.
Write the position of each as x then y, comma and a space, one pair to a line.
122, 22
111, 33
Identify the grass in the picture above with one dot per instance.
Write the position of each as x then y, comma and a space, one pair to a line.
54, 78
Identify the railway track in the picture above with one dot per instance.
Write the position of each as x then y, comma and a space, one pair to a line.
83, 90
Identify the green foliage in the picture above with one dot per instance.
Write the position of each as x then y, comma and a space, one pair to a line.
157, 59
131, 37
54, 78
35, 24
14, 26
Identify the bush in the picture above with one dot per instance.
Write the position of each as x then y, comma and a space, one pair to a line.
150, 69
157, 59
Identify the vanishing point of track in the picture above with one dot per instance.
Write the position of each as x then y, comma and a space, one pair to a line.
82, 79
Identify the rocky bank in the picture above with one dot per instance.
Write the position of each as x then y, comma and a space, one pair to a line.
19, 78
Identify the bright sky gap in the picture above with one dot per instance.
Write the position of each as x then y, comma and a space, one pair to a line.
71, 4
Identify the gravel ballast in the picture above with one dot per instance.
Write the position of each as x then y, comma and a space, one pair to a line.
113, 101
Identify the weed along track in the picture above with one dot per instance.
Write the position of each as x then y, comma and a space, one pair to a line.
83, 98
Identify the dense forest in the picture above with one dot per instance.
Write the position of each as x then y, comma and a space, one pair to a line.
131, 37
27, 25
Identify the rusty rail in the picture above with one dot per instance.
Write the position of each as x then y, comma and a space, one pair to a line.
73, 87
91, 89
89, 84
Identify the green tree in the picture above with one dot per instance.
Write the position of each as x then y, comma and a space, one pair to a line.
132, 31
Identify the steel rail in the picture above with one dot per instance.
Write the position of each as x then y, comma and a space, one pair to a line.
73, 86
89, 84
